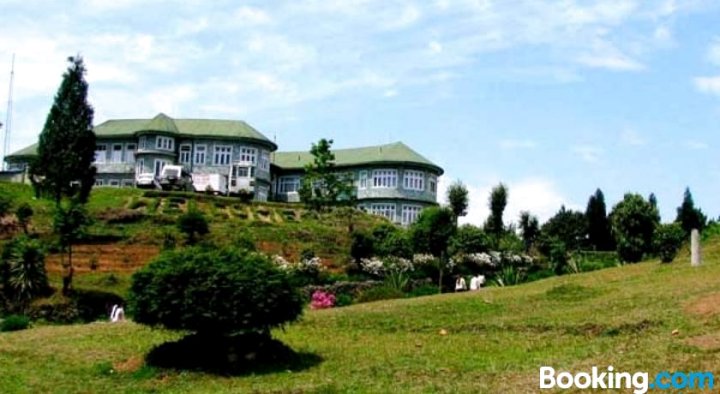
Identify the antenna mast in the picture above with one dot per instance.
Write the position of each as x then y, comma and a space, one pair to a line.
8, 115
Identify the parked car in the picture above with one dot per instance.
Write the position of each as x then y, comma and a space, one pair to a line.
175, 178
145, 180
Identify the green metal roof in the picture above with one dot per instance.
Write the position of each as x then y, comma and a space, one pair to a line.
395, 153
213, 128
24, 152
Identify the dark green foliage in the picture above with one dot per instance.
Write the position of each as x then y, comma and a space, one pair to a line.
432, 231
668, 239
568, 227
344, 299
529, 228
470, 239
94, 305
389, 240
221, 291
688, 216
322, 186
599, 235
307, 254
497, 203
558, 256
69, 223
193, 224
633, 221
424, 290
14, 323
23, 269
362, 245
379, 293
24, 212
63, 166
457, 196
5, 204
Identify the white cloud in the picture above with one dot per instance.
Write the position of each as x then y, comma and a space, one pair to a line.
390, 93
537, 195
709, 85
713, 53
632, 138
696, 145
588, 153
435, 47
607, 56
409, 15
251, 16
511, 144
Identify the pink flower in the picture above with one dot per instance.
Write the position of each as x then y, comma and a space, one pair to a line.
322, 300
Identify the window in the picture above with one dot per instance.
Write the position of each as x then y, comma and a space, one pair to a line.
127, 183
130, 153
114, 183
100, 153
200, 154
142, 142
414, 180
159, 164
117, 153
262, 193
433, 184
289, 184
164, 143
185, 153
410, 214
264, 162
385, 179
362, 184
386, 210
241, 172
140, 167
222, 156
99, 182
247, 155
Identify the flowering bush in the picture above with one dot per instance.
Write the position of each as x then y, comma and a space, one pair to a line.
322, 300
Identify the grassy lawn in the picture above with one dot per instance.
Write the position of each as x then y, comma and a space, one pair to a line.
496, 339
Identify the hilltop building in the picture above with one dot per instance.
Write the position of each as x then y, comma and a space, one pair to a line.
391, 180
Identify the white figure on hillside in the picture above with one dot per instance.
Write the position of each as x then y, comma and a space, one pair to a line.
117, 314
477, 282
460, 284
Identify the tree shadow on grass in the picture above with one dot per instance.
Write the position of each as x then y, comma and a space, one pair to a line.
233, 356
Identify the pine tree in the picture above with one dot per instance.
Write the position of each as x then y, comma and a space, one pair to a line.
64, 164
599, 234
688, 216
497, 204
457, 195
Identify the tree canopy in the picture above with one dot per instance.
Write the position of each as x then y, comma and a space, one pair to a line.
63, 166
688, 216
322, 186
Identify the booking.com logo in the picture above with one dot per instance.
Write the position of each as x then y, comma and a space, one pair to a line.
639, 381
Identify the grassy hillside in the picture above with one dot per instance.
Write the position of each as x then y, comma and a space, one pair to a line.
496, 339
130, 227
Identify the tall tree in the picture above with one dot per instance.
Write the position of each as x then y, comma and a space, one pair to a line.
688, 216
599, 235
529, 228
322, 186
652, 199
633, 221
457, 196
567, 227
497, 204
432, 232
63, 166
69, 223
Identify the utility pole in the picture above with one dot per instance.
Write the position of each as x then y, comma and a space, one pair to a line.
8, 115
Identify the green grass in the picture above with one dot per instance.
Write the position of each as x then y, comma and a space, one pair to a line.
496, 339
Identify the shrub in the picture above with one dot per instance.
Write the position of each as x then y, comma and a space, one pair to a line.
380, 293
5, 204
23, 270
15, 323
667, 239
423, 290
361, 246
322, 300
94, 304
24, 212
343, 299
193, 224
221, 291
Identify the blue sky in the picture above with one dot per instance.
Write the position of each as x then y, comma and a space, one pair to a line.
554, 98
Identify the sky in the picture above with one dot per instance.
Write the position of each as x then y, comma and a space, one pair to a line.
553, 98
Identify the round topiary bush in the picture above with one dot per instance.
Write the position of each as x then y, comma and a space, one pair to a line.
220, 291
